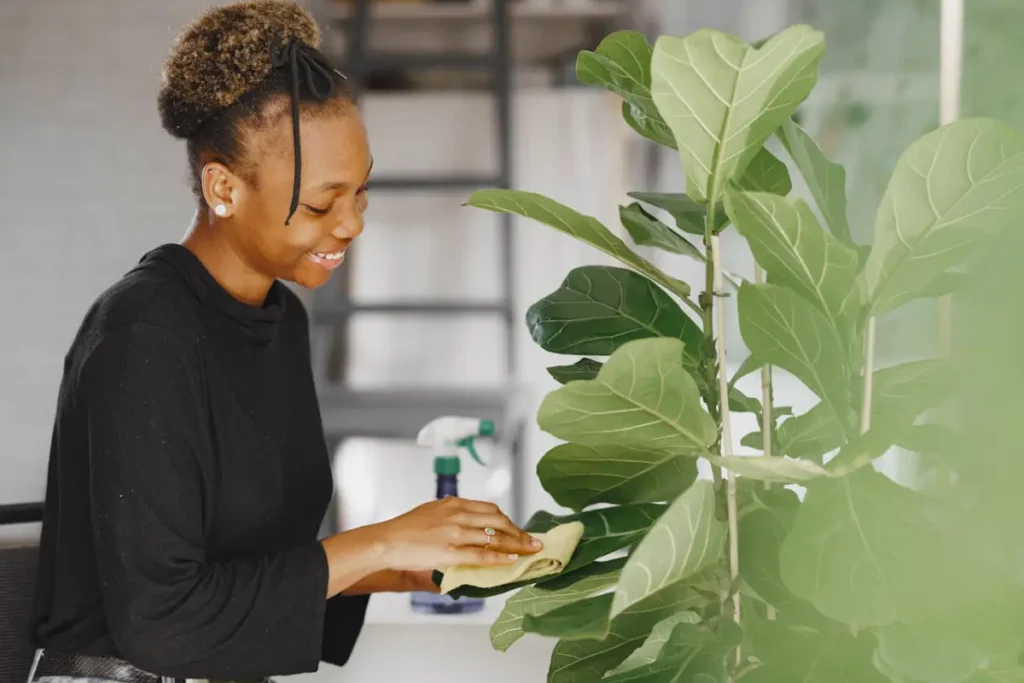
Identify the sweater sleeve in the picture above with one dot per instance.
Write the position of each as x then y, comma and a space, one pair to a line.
342, 623
171, 609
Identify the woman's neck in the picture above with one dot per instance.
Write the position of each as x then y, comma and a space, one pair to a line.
225, 264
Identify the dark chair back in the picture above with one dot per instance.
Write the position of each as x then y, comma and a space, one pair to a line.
17, 586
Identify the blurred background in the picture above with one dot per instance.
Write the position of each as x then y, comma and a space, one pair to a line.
426, 316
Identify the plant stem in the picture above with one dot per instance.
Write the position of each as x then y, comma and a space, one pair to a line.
767, 418
726, 441
869, 372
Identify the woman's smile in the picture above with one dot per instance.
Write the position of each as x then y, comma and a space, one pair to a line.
328, 260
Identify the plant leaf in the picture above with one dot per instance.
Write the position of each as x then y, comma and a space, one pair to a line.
622, 64
597, 309
944, 284
649, 651
900, 393
541, 599
863, 551
580, 620
812, 434
788, 242
791, 652
584, 228
648, 231
586, 661
825, 179
765, 174
947, 650
786, 330
585, 368
692, 653
579, 476
684, 541
750, 365
723, 98
689, 215
761, 533
952, 189
605, 530
642, 397
778, 470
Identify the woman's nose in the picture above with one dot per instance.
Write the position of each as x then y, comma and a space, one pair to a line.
350, 227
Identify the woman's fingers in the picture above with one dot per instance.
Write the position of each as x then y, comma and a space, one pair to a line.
497, 542
499, 524
482, 557
488, 515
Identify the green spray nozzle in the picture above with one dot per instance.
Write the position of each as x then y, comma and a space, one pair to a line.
448, 434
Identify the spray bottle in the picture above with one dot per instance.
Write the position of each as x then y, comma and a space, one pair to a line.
447, 436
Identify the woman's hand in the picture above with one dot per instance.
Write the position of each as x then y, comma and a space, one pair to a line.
453, 531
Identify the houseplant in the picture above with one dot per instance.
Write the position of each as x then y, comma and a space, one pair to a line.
859, 579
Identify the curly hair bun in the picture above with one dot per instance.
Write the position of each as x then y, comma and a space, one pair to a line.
224, 54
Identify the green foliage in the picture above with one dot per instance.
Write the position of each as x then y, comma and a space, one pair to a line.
862, 579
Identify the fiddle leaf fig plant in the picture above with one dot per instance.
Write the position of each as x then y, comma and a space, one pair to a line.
853, 576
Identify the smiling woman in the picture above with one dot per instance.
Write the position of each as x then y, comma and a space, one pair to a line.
188, 471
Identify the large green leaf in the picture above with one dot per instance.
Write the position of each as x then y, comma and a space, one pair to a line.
538, 600
580, 620
684, 541
723, 98
788, 242
952, 189
648, 231
864, 551
622, 65
692, 653
597, 309
643, 397
579, 476
825, 179
761, 533
950, 649
779, 470
786, 330
812, 434
689, 215
584, 228
605, 531
586, 661
790, 652
900, 393
649, 651
765, 174
584, 368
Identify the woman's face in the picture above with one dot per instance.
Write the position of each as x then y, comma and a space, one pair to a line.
332, 197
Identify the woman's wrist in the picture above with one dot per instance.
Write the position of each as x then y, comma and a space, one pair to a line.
354, 555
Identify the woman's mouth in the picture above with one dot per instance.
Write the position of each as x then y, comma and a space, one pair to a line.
330, 261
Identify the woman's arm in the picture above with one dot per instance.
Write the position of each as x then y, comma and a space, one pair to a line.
170, 608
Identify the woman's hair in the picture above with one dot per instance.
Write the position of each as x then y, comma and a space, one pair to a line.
228, 75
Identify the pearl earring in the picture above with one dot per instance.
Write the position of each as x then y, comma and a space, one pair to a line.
220, 210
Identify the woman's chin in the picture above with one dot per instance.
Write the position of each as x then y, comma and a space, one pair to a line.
311, 276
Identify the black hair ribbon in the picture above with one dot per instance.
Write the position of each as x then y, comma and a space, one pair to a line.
308, 65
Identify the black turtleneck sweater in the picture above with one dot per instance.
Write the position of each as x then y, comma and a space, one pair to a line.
187, 481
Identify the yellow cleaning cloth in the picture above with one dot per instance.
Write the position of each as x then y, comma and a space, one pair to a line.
559, 545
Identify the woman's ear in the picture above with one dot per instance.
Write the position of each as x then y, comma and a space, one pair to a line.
220, 188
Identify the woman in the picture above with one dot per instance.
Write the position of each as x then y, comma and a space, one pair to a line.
188, 471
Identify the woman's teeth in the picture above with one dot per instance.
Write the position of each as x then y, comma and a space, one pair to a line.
327, 260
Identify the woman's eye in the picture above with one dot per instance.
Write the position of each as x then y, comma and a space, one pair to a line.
317, 211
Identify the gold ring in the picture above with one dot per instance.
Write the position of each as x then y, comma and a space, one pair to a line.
489, 531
